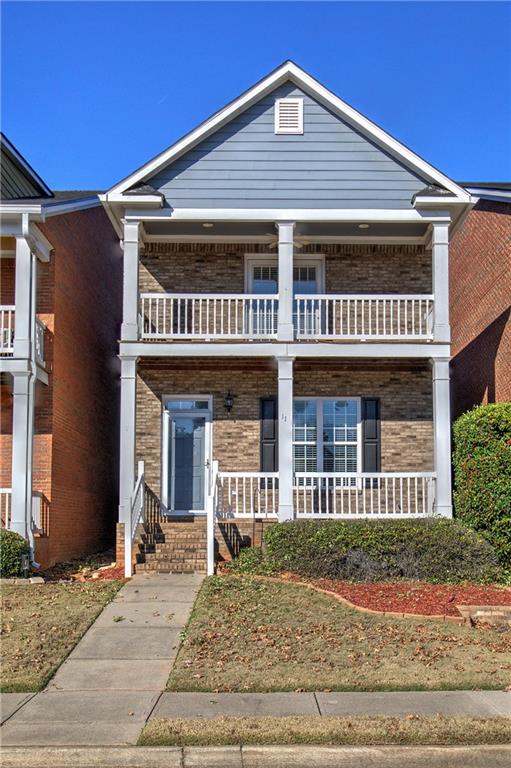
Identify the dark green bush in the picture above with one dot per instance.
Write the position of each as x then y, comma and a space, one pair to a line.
435, 549
12, 547
252, 560
482, 474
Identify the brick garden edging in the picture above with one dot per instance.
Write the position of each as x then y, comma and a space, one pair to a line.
349, 604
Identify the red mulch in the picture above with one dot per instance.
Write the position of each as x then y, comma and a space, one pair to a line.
412, 596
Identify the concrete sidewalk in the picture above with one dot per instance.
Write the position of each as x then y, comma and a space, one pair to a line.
106, 689
395, 703
257, 757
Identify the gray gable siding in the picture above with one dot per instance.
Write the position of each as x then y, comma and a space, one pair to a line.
15, 183
245, 165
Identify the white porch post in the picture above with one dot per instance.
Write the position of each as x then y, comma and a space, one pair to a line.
442, 437
127, 451
440, 259
23, 300
21, 448
285, 326
285, 406
129, 330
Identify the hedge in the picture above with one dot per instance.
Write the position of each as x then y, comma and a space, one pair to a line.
12, 547
435, 549
482, 474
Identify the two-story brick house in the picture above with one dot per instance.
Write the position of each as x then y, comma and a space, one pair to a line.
60, 312
285, 341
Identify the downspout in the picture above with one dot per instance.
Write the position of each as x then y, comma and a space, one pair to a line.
32, 385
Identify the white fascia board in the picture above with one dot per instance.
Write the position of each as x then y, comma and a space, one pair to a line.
405, 215
40, 243
299, 241
434, 202
16, 209
290, 71
276, 349
69, 206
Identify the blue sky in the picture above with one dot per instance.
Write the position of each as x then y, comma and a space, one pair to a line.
92, 90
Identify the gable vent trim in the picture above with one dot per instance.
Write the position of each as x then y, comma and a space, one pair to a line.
289, 116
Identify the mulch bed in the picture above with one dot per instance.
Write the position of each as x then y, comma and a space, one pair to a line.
418, 597
101, 567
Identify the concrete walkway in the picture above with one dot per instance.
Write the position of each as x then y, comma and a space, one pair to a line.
108, 686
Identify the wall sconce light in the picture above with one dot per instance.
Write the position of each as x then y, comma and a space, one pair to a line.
229, 401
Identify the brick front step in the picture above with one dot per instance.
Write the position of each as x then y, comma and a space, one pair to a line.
173, 546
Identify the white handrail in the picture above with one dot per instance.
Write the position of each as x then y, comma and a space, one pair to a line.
40, 330
7, 315
136, 516
5, 506
208, 316
364, 317
210, 523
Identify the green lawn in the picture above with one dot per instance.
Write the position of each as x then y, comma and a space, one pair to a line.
41, 624
362, 731
247, 634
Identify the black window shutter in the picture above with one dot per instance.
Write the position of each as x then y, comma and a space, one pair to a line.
269, 435
371, 453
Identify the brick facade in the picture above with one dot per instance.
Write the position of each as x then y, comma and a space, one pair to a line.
404, 389
79, 298
480, 306
220, 268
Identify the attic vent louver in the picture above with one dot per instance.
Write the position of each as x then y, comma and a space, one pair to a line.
289, 116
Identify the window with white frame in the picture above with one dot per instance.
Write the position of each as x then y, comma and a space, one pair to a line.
326, 435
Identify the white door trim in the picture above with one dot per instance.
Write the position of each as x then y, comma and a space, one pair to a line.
207, 413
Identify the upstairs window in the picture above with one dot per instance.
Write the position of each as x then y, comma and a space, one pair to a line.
289, 116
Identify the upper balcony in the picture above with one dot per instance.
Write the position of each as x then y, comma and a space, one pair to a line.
316, 317
7, 335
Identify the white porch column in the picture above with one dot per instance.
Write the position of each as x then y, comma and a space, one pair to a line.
21, 448
440, 259
285, 327
23, 300
129, 330
442, 437
285, 406
128, 442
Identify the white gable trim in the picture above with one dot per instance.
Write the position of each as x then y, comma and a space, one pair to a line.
291, 72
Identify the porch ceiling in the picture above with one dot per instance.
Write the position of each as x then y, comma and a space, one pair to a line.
265, 232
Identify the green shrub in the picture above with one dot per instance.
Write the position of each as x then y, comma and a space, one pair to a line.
435, 549
482, 474
252, 560
12, 547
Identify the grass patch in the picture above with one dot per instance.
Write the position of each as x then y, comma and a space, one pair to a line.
363, 731
41, 624
246, 634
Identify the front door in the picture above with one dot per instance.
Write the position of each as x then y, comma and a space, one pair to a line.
186, 458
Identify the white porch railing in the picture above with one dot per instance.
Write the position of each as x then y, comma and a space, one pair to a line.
7, 330
5, 506
40, 330
136, 517
208, 316
364, 317
364, 494
40, 522
247, 494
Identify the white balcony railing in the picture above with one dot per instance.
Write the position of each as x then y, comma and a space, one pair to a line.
40, 330
207, 316
382, 494
246, 494
364, 317
5, 506
7, 330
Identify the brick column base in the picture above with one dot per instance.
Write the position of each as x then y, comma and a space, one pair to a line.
119, 544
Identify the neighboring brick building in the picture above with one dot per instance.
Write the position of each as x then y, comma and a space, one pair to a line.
60, 296
480, 300
285, 342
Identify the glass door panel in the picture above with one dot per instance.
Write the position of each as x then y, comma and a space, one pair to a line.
187, 463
